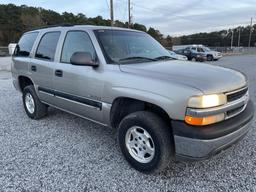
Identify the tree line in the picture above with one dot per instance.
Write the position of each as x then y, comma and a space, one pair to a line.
15, 20
221, 38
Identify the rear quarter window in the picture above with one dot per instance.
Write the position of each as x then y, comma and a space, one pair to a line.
47, 46
25, 44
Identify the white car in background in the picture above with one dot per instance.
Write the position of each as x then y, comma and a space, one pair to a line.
178, 56
210, 54
11, 48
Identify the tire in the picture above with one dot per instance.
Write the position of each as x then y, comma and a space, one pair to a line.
34, 108
160, 138
209, 58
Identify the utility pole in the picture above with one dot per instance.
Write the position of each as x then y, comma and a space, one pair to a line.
129, 13
112, 13
250, 35
238, 41
232, 38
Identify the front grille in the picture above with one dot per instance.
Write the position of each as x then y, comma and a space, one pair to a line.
235, 111
236, 95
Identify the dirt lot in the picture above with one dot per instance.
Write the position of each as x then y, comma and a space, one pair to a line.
63, 152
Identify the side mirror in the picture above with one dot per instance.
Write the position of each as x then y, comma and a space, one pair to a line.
83, 58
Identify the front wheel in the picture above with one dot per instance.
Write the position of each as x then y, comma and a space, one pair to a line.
146, 141
209, 58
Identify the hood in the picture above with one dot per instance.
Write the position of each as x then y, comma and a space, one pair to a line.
213, 52
207, 78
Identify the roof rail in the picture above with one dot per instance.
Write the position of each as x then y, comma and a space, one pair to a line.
50, 26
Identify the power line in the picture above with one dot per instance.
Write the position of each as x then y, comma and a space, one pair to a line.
175, 15
168, 11
107, 4
125, 10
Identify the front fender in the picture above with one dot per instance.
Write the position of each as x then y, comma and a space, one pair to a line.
156, 99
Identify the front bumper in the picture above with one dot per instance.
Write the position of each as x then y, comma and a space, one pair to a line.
217, 56
196, 143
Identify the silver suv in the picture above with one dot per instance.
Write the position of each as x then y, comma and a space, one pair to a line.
162, 108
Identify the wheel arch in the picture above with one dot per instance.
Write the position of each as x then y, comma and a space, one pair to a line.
24, 81
123, 106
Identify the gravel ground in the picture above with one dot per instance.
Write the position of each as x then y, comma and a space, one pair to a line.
65, 153
5, 63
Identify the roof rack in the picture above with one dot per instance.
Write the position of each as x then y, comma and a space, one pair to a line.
50, 26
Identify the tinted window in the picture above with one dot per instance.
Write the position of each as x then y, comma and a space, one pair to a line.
121, 46
47, 46
25, 44
76, 41
199, 49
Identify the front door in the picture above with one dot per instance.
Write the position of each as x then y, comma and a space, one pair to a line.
78, 89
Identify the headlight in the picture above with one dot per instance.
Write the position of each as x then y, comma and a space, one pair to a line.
204, 102
207, 101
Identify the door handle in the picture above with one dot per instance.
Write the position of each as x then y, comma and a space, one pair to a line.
33, 68
58, 73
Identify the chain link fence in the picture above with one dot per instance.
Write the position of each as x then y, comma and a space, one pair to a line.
235, 50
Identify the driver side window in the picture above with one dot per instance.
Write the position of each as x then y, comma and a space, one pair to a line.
76, 41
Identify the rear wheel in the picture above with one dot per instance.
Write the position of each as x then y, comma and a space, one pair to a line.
145, 141
34, 108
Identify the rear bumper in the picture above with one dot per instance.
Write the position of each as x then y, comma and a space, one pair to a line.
196, 143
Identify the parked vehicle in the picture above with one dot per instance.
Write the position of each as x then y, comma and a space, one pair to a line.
162, 108
177, 56
210, 54
192, 55
11, 48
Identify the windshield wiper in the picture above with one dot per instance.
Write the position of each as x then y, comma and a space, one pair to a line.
137, 58
164, 57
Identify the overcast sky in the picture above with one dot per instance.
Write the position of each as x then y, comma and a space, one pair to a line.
174, 17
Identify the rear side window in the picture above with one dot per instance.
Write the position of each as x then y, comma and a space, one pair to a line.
25, 44
47, 46
76, 41
199, 49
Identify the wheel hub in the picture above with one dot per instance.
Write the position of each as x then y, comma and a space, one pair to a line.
29, 102
140, 144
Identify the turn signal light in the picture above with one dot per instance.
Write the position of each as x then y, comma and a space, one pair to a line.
200, 121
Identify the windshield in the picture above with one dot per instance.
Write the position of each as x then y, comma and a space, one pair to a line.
121, 46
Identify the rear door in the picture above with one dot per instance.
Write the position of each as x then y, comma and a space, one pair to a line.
78, 89
22, 54
42, 65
